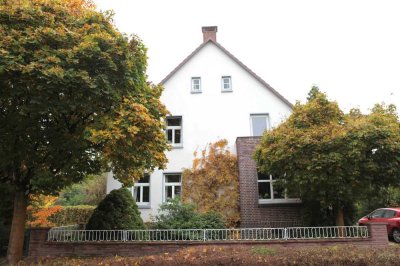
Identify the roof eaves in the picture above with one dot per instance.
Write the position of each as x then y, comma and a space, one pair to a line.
184, 62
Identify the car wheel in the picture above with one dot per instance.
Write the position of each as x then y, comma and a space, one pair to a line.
396, 235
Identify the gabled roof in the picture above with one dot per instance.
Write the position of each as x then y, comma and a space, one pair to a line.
265, 84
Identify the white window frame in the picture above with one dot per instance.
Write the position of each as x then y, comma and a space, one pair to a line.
271, 182
265, 115
193, 85
140, 186
171, 184
223, 89
173, 128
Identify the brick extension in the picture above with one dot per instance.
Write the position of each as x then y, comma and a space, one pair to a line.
253, 214
39, 247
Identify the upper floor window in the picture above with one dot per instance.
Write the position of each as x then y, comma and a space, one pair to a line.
268, 192
196, 84
259, 123
141, 191
226, 83
172, 186
174, 130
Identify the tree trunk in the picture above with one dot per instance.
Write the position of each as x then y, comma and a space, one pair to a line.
339, 216
16, 242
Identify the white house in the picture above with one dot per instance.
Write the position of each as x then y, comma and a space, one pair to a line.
211, 95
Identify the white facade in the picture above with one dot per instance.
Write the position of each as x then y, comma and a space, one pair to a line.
214, 113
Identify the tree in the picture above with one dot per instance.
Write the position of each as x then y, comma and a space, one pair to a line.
322, 155
74, 101
117, 211
212, 183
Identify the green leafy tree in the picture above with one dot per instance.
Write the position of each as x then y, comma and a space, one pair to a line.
74, 101
322, 155
117, 211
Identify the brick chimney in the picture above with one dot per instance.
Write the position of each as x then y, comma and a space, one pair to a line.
210, 33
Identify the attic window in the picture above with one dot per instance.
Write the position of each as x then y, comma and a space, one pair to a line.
196, 85
226, 83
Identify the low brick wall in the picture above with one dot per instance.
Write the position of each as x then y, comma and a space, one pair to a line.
40, 247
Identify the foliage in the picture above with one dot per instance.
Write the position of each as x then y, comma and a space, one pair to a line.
40, 209
177, 215
325, 156
212, 183
245, 255
89, 192
378, 198
69, 215
117, 211
74, 101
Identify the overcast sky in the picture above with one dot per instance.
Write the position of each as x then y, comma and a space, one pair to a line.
350, 49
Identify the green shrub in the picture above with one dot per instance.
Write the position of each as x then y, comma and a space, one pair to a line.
176, 215
70, 215
117, 211
90, 191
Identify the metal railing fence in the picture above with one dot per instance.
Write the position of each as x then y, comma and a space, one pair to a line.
242, 234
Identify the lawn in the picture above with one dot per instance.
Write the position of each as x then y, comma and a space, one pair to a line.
247, 255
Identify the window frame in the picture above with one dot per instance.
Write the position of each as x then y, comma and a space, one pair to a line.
267, 118
140, 186
192, 85
271, 182
171, 184
223, 84
173, 128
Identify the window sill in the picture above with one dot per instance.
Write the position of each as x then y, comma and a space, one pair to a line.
279, 202
226, 91
177, 147
144, 206
195, 92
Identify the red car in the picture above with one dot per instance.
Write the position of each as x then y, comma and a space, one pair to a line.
391, 216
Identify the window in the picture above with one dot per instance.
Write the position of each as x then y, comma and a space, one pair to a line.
172, 186
377, 214
226, 83
196, 85
259, 123
174, 131
141, 191
268, 193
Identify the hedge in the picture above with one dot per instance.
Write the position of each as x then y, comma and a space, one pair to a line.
70, 215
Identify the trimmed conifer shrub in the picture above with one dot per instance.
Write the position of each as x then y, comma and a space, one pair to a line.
117, 211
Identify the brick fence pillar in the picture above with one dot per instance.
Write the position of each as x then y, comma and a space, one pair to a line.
378, 233
38, 237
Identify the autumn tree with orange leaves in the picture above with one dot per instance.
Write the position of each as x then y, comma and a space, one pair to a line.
212, 183
74, 101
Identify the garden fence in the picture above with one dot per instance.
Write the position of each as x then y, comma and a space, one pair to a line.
243, 234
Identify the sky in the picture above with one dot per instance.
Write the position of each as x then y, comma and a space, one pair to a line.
350, 49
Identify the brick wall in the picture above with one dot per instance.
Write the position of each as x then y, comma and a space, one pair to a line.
39, 247
253, 214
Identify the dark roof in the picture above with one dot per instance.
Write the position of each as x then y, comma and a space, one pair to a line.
234, 59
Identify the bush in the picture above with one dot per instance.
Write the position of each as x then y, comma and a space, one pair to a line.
117, 211
89, 192
69, 215
176, 215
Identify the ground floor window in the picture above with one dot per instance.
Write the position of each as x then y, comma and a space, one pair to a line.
141, 191
172, 186
270, 193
